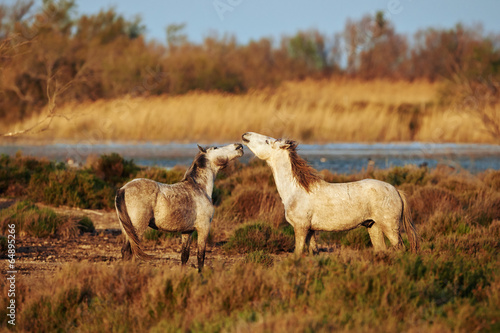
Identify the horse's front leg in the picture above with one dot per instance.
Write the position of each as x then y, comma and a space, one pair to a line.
300, 239
186, 243
202, 244
311, 242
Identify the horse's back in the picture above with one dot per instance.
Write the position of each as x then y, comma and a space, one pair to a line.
374, 193
341, 206
362, 190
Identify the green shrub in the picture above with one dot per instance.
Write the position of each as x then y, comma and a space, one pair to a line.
162, 175
16, 172
75, 188
114, 169
259, 236
33, 221
85, 224
408, 174
357, 239
155, 235
259, 257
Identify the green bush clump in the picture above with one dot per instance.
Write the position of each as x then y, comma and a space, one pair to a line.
162, 175
114, 169
259, 236
75, 188
85, 224
259, 257
408, 174
33, 221
357, 238
16, 172
155, 235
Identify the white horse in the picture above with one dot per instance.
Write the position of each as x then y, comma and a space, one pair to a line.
182, 207
311, 204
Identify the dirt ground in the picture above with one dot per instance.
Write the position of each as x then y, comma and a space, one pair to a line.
42, 257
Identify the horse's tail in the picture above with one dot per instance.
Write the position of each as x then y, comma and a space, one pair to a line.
408, 225
127, 225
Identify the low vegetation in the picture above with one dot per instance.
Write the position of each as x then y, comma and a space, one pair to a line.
443, 290
452, 285
32, 221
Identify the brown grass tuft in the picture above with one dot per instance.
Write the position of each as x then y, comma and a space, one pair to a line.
429, 199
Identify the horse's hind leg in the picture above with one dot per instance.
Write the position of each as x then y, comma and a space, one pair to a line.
186, 243
394, 236
126, 250
377, 237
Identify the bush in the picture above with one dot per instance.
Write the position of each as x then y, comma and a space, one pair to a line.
114, 169
444, 223
15, 173
408, 174
259, 236
85, 224
357, 239
162, 175
75, 188
259, 257
41, 222
155, 235
427, 200
484, 207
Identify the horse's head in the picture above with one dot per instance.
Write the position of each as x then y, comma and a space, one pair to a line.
219, 157
264, 147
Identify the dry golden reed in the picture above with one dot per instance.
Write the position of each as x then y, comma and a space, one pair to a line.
342, 110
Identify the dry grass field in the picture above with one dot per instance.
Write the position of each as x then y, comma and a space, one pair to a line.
70, 277
341, 110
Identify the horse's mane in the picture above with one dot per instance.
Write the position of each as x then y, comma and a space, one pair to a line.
305, 174
199, 163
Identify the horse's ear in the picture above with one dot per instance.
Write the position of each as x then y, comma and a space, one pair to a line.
289, 144
203, 150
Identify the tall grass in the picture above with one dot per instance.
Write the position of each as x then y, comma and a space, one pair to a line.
310, 111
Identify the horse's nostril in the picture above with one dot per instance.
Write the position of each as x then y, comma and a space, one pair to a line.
244, 139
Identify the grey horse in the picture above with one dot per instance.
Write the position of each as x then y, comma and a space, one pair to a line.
182, 207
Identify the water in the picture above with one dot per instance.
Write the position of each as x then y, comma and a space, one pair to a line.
336, 157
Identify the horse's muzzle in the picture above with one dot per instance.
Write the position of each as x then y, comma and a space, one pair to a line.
245, 140
239, 148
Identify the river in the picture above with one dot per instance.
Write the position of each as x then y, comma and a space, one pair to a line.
336, 157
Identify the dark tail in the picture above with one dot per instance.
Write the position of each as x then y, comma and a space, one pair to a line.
406, 219
125, 221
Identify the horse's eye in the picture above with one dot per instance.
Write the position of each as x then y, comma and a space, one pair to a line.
267, 141
215, 148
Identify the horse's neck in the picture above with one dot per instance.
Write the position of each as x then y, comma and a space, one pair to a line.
283, 177
205, 180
